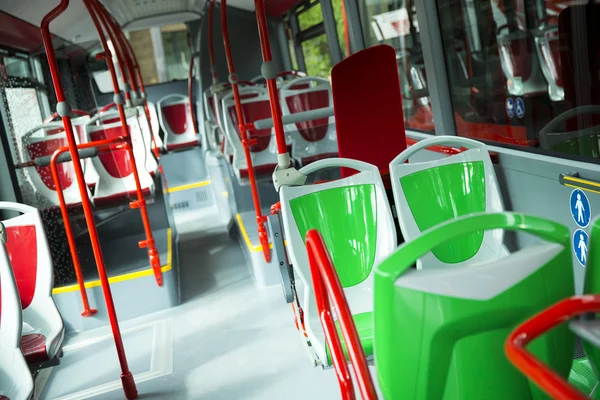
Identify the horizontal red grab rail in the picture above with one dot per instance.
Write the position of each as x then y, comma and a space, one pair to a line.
449, 151
74, 111
328, 287
515, 347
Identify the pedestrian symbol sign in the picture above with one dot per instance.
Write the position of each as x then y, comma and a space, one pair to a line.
580, 208
519, 107
580, 245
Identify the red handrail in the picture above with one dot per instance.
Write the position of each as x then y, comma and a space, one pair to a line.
126, 376
552, 383
263, 31
328, 287
346, 30
107, 107
141, 88
261, 220
73, 111
190, 85
140, 203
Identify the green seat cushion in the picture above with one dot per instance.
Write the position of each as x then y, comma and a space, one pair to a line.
364, 328
582, 376
346, 217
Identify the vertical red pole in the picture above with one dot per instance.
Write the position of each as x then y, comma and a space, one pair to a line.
140, 203
87, 311
64, 111
211, 49
283, 158
260, 219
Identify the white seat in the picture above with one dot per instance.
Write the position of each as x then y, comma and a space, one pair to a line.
116, 182
16, 382
311, 140
176, 122
43, 141
354, 218
145, 128
155, 125
29, 253
429, 193
255, 106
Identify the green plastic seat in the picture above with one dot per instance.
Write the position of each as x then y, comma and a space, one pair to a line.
439, 333
354, 218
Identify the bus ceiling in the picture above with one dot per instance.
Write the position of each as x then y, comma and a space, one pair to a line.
19, 20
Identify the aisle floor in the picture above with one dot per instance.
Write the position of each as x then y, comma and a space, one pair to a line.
227, 340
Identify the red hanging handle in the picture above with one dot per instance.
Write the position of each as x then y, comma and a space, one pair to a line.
552, 383
191, 86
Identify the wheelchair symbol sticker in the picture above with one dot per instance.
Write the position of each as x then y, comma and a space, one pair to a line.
580, 208
580, 245
510, 107
520, 107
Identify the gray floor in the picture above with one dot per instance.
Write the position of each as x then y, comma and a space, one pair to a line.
228, 340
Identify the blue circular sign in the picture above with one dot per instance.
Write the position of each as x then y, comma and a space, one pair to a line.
510, 107
580, 245
580, 208
519, 107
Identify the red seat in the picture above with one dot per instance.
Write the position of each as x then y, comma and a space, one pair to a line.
33, 347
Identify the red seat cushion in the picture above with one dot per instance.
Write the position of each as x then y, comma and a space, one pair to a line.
33, 347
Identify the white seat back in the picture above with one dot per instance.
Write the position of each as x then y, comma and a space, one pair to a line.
29, 253
354, 218
176, 122
16, 381
429, 193
311, 140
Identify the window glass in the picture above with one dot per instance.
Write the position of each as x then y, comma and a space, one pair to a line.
17, 67
394, 22
311, 17
315, 49
162, 52
316, 56
525, 72
177, 51
291, 47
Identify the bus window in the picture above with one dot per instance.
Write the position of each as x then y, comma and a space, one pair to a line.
313, 40
394, 22
514, 67
162, 52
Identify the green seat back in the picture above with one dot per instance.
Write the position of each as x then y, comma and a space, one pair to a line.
442, 193
347, 219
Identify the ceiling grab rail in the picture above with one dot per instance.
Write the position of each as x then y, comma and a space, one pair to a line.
261, 220
190, 82
515, 347
137, 82
285, 173
93, 7
63, 109
327, 287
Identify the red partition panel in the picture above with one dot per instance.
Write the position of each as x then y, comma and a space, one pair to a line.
368, 107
